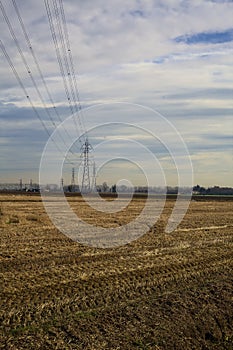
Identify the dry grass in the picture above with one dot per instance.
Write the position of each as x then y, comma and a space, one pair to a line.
164, 291
32, 217
14, 219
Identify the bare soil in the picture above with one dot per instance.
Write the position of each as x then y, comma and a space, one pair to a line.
163, 291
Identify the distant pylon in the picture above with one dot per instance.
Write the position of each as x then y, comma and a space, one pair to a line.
30, 186
62, 184
94, 178
20, 184
86, 164
73, 180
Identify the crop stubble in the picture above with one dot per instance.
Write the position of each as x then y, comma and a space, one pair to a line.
163, 291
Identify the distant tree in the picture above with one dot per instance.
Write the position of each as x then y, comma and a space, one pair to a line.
105, 187
199, 189
98, 188
196, 188
113, 189
172, 190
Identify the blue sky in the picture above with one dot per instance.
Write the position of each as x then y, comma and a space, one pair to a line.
172, 56
215, 37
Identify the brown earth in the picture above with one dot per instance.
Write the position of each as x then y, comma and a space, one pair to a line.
163, 291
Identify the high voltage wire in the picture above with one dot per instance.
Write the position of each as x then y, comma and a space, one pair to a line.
22, 86
64, 54
68, 59
38, 68
69, 65
70, 56
31, 76
57, 50
34, 56
65, 62
61, 56
36, 61
26, 94
25, 62
27, 66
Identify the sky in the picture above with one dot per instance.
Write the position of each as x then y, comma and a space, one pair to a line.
131, 58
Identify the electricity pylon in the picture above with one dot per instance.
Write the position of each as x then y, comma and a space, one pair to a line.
88, 179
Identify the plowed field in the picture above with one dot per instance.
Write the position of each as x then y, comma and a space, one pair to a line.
163, 291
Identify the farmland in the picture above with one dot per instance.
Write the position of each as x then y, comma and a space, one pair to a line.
162, 291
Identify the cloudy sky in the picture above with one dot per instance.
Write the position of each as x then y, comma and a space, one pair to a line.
171, 56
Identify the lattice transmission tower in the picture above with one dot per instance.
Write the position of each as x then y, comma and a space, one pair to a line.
88, 168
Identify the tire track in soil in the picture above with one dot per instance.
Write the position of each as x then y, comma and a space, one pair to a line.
108, 291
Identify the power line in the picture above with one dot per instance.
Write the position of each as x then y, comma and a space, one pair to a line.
25, 61
26, 93
86, 147
22, 86
38, 67
34, 57
63, 35
64, 55
70, 57
66, 65
65, 60
60, 61
30, 74
63, 32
